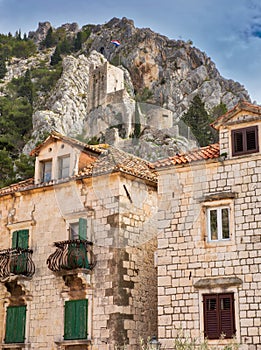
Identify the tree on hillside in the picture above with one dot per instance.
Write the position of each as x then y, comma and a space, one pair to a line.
198, 119
49, 39
56, 57
3, 69
26, 87
6, 168
78, 41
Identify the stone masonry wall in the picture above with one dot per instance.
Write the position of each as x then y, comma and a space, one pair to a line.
186, 259
124, 273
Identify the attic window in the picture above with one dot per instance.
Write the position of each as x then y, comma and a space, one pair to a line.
46, 170
64, 167
245, 141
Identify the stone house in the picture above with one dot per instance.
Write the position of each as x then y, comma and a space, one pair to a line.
209, 240
78, 242
77, 250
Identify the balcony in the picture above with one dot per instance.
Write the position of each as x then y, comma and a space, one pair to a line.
71, 255
16, 262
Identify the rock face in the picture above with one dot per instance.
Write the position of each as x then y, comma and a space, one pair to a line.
173, 70
151, 69
40, 34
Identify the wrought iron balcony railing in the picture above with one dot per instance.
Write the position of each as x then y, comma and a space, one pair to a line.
16, 261
71, 255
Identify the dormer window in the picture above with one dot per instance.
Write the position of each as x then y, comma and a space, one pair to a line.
245, 141
46, 170
64, 167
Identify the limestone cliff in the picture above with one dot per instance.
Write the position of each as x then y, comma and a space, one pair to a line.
155, 69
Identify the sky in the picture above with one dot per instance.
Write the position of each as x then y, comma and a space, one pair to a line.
228, 31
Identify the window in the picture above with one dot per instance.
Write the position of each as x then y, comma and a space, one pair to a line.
245, 141
75, 319
64, 167
19, 261
219, 315
218, 223
20, 239
77, 253
46, 171
15, 324
78, 230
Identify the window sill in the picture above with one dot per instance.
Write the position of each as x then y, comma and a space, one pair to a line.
62, 345
17, 346
220, 243
222, 342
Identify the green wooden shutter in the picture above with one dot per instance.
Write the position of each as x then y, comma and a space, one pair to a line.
15, 324
83, 235
14, 239
82, 228
23, 239
75, 320
20, 239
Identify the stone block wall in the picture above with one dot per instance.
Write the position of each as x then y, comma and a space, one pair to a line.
121, 289
189, 265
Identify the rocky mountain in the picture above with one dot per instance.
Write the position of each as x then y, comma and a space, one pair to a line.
102, 82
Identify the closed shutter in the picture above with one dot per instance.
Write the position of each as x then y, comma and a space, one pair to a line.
219, 316
226, 303
20, 239
75, 320
251, 138
211, 320
15, 324
238, 142
245, 140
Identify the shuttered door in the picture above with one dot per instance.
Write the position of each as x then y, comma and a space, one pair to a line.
15, 324
226, 303
211, 320
75, 323
20, 240
219, 317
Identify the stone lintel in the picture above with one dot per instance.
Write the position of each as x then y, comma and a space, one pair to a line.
218, 196
218, 282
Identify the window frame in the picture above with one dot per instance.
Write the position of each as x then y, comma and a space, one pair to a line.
44, 173
218, 209
78, 229
20, 336
61, 167
71, 314
243, 132
219, 317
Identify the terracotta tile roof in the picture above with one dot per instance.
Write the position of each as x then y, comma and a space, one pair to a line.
203, 153
19, 186
110, 160
54, 136
241, 106
114, 160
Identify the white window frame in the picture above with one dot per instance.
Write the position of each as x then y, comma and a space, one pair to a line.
220, 237
43, 170
74, 230
61, 168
